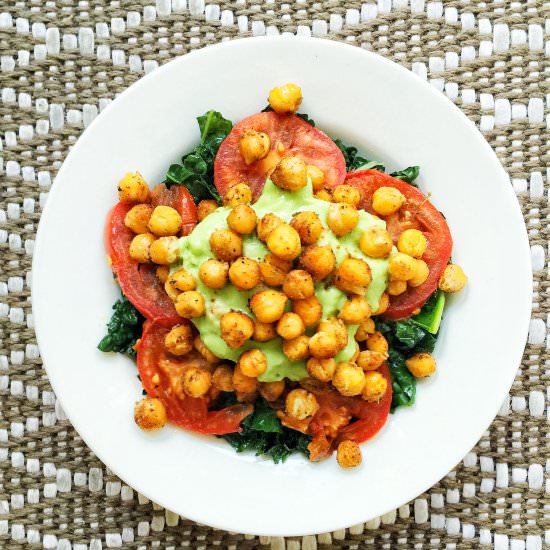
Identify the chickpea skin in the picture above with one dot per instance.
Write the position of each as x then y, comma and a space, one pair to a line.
284, 242
401, 267
254, 146
222, 378
376, 242
164, 250
321, 369
274, 270
348, 454
253, 363
138, 217
370, 360
236, 328
421, 273
205, 208
268, 305
213, 273
324, 195
309, 309
242, 219
377, 342
347, 194
342, 218
323, 345
290, 174
179, 341
182, 280
353, 275
290, 326
245, 273
309, 227
171, 290
162, 272
375, 387
245, 385
226, 245
266, 225
317, 177
355, 310
383, 304
133, 188
421, 364
140, 247
190, 304
263, 332
301, 404
319, 261
286, 98
201, 347
271, 391
239, 193
165, 221
296, 349
298, 285
196, 382
387, 200
348, 379
150, 414
412, 242
395, 288
365, 328
453, 279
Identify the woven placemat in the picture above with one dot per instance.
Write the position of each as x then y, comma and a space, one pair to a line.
63, 61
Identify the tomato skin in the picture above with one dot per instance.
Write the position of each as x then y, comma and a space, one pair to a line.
296, 136
187, 412
418, 213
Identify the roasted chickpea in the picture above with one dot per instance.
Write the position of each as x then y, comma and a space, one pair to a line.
319, 261
133, 188
263, 332
324, 195
245, 385
348, 454
377, 342
245, 273
321, 369
342, 218
201, 347
395, 288
165, 221
239, 193
137, 218
226, 245
383, 304
236, 328
401, 267
387, 200
296, 349
140, 247
421, 364
356, 353
271, 391
317, 177
301, 404
284, 242
196, 382
348, 379
365, 328
412, 242
421, 273
150, 414
222, 378
242, 219
347, 194
286, 98
309, 309
268, 305
162, 272
179, 341
172, 291
274, 270
309, 227
453, 279
205, 208
336, 327
323, 345
355, 310
290, 326
370, 360
164, 251
290, 174
375, 386
298, 285
376, 242
213, 273
254, 146
253, 363
190, 304
182, 280
353, 275
266, 225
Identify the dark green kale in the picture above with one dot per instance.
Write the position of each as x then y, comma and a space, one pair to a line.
196, 171
123, 329
408, 174
356, 162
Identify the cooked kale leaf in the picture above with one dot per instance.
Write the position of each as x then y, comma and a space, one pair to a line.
407, 174
356, 162
123, 329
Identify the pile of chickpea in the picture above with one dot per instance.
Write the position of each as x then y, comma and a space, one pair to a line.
282, 282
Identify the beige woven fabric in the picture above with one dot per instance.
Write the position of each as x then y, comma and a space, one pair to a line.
62, 61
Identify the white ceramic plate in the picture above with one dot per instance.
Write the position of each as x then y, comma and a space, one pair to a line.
398, 119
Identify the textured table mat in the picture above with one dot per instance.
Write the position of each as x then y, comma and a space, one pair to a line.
63, 61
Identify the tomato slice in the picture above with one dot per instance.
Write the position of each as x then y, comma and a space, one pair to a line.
418, 213
187, 412
178, 197
290, 135
137, 281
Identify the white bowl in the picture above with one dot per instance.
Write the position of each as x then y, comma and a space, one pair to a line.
398, 119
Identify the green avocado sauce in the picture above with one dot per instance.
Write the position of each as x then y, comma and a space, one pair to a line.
194, 249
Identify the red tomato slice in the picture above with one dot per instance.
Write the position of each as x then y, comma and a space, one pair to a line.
184, 411
290, 135
137, 281
178, 197
418, 213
